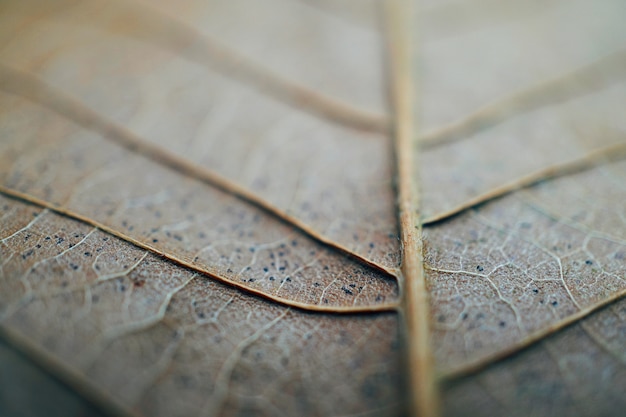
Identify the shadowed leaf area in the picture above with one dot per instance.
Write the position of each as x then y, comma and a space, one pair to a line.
312, 208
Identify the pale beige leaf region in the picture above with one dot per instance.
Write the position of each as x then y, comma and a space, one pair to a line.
163, 340
365, 13
294, 110
501, 55
335, 179
179, 216
339, 57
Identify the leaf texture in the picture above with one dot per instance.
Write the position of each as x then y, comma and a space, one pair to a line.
513, 267
291, 159
579, 372
240, 244
235, 208
143, 328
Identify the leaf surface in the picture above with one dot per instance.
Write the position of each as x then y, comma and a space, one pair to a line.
199, 209
289, 158
513, 267
156, 338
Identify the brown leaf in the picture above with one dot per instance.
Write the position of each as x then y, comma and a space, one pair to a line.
158, 338
509, 270
199, 213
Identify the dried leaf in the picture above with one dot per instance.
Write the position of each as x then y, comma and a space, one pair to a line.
198, 209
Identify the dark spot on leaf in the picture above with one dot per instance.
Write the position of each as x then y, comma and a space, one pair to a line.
346, 290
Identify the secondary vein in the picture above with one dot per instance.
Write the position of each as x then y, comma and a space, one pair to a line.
478, 365
32, 88
595, 158
187, 264
146, 23
597, 75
